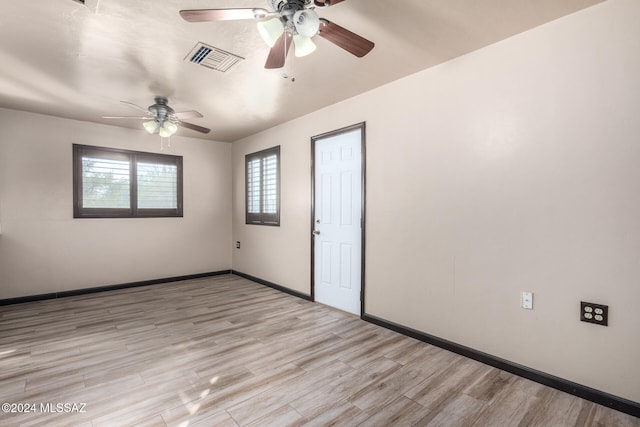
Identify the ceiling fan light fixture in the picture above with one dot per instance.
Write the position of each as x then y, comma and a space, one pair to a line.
303, 45
271, 30
307, 22
150, 126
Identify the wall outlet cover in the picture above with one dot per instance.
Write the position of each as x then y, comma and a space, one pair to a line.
594, 313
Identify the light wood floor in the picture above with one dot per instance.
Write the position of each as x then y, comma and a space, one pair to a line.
225, 351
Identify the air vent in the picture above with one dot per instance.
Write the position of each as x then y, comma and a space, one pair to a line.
212, 57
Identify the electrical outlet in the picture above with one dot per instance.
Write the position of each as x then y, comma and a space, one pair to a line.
526, 300
238, 245
594, 313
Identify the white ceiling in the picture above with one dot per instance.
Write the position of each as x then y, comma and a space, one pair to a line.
78, 61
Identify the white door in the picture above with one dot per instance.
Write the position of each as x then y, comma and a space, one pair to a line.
337, 220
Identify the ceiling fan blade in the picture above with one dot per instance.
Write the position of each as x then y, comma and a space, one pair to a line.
204, 15
191, 114
322, 3
194, 127
278, 52
128, 117
137, 107
351, 42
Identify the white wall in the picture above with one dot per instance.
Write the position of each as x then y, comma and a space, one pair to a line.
512, 168
43, 249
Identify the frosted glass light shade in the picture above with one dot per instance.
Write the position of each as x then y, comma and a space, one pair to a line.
307, 22
171, 127
271, 30
151, 126
303, 45
168, 128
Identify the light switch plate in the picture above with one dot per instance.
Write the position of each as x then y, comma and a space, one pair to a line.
526, 300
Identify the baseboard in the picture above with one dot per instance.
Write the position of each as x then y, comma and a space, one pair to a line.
272, 285
579, 390
85, 291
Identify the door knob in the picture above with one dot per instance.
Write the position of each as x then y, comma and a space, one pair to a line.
316, 232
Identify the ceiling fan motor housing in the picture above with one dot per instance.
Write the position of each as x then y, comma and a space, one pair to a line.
289, 7
160, 109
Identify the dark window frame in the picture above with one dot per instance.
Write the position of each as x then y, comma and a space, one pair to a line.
134, 157
262, 218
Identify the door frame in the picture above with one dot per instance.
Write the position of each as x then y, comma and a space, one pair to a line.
362, 127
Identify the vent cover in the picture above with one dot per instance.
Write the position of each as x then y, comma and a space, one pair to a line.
212, 57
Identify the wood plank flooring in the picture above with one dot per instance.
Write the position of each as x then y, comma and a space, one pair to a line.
225, 351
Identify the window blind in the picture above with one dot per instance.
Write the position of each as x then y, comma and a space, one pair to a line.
253, 186
263, 187
270, 184
105, 183
157, 186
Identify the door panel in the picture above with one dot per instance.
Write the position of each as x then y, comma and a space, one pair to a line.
346, 260
337, 219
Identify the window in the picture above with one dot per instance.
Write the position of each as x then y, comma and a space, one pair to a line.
112, 183
263, 187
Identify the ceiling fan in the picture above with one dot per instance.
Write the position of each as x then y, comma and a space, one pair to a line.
163, 119
291, 20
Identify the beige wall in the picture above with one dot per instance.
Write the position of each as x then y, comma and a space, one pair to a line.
43, 249
512, 168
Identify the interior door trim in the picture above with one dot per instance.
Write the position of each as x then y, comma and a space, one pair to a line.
314, 139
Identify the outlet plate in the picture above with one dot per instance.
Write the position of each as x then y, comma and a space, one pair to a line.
594, 313
238, 245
